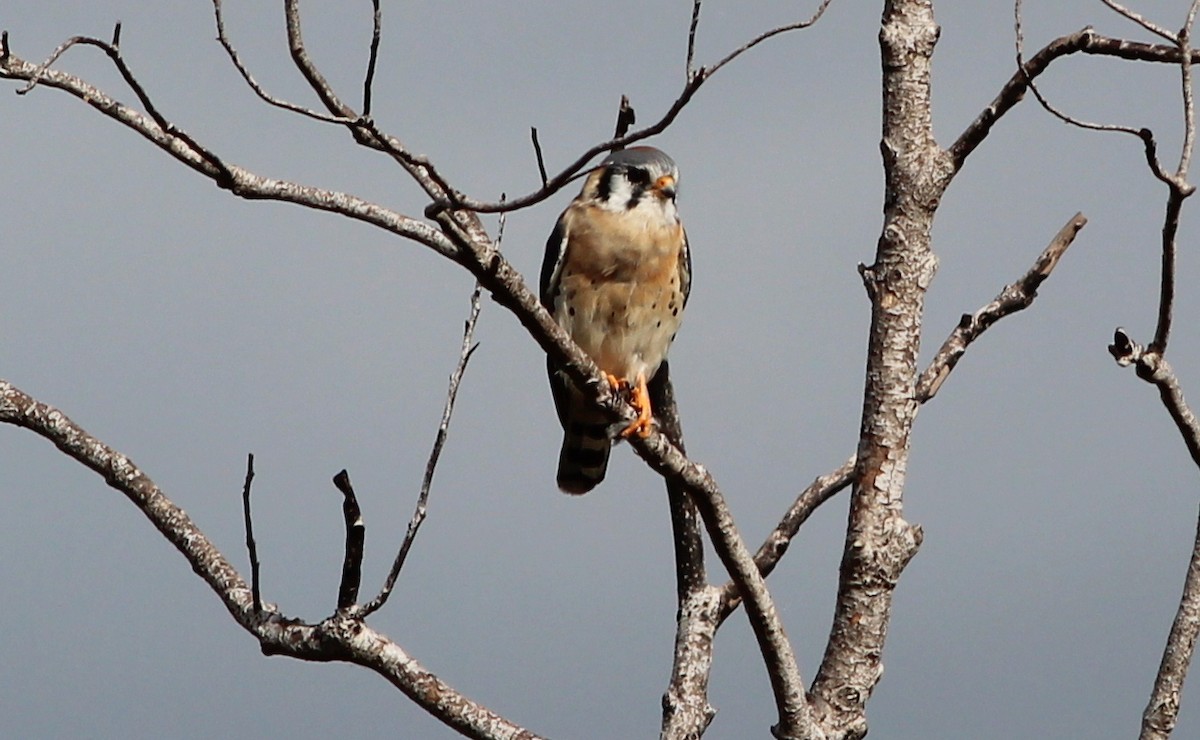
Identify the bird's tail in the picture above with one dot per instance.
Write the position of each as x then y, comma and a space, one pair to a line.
584, 456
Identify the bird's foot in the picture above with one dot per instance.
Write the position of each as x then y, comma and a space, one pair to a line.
639, 398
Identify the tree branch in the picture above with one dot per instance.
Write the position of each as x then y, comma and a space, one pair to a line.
251, 547
418, 517
879, 542
1086, 41
686, 711
342, 637
239, 181
1158, 719
1013, 298
356, 533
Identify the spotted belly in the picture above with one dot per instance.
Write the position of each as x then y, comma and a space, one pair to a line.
626, 328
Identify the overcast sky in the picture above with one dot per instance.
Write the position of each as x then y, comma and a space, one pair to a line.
186, 328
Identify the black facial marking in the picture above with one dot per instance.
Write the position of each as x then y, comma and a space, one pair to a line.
604, 187
639, 181
638, 177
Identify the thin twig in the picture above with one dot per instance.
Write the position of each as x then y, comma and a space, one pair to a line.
368, 81
626, 117
1187, 92
356, 533
537, 150
816, 16
695, 80
1179, 189
1045, 103
1166, 296
114, 54
341, 637
254, 85
364, 130
418, 517
773, 548
251, 547
1086, 41
691, 46
1014, 297
1140, 20
795, 711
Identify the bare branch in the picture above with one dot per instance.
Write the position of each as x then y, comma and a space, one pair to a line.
356, 532
1014, 297
1139, 20
259, 90
41, 74
342, 637
1154, 368
1166, 300
685, 526
251, 547
686, 711
695, 79
1158, 719
368, 81
795, 713
418, 517
772, 550
816, 16
626, 117
691, 45
241, 182
1187, 92
1163, 707
1086, 41
364, 130
1045, 103
879, 542
1179, 190
537, 150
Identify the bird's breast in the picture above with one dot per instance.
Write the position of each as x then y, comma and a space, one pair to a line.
620, 296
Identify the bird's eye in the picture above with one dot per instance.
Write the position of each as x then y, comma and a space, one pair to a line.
637, 176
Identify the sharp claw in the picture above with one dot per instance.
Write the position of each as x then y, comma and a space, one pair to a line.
640, 400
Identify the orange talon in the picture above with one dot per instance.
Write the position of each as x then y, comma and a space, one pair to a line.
614, 382
640, 400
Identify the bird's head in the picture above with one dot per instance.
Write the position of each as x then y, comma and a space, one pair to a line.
638, 178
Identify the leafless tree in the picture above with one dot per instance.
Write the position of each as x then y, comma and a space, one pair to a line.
829, 702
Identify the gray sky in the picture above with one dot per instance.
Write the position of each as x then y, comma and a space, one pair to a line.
187, 328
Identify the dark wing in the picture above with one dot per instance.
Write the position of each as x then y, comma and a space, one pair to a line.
556, 250
685, 270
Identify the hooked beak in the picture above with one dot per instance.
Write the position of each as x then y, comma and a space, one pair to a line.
665, 186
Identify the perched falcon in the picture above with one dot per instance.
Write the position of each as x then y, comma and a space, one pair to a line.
616, 277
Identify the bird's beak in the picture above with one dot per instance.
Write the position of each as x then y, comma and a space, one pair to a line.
665, 186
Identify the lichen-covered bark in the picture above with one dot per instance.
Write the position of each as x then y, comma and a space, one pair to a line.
879, 542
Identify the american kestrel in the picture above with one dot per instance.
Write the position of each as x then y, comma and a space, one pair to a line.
616, 277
